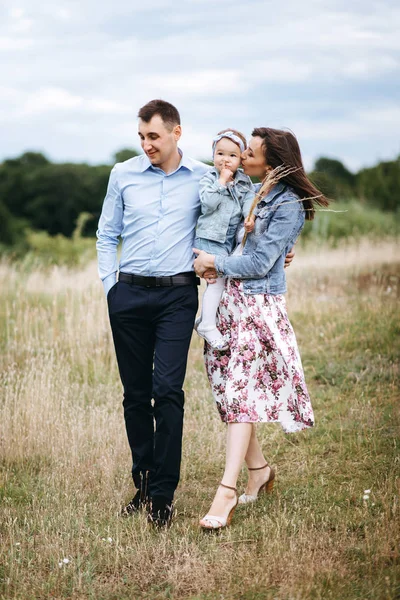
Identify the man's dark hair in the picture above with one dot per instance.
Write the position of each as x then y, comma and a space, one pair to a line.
167, 112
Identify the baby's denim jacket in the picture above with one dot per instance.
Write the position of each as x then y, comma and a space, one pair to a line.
222, 205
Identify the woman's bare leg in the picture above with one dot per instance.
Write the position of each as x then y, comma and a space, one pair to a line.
255, 458
254, 455
237, 443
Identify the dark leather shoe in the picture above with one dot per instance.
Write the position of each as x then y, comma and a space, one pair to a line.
138, 502
141, 499
160, 512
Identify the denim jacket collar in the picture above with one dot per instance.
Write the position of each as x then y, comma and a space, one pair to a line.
278, 189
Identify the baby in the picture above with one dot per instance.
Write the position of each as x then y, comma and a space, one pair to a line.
226, 195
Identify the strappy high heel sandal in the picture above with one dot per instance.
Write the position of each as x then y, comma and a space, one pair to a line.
267, 486
211, 522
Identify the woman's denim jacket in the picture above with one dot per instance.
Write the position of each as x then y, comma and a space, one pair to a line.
220, 205
280, 218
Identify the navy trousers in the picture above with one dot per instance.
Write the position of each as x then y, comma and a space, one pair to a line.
152, 328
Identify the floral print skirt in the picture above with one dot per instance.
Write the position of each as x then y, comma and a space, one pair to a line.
260, 377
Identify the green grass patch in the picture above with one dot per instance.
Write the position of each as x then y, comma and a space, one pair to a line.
350, 221
64, 472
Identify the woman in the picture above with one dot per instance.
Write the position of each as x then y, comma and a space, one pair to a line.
260, 377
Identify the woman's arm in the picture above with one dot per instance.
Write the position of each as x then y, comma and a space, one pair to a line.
270, 246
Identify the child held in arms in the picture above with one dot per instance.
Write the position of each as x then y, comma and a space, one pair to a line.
226, 196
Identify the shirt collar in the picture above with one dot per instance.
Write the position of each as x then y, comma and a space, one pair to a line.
146, 164
185, 162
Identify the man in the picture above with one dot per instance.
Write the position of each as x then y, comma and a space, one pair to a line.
152, 202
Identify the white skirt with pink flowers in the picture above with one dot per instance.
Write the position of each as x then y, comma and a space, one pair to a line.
260, 377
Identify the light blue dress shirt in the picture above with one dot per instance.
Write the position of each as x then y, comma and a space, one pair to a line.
155, 213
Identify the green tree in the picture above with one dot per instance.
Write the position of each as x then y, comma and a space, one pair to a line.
11, 229
125, 154
28, 159
380, 185
51, 196
333, 178
60, 192
335, 169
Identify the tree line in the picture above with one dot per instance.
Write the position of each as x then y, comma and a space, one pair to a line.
37, 194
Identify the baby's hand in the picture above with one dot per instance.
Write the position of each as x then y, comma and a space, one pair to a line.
225, 175
249, 224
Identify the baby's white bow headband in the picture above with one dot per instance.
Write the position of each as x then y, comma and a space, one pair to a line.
230, 135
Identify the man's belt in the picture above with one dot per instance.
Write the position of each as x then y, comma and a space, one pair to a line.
188, 278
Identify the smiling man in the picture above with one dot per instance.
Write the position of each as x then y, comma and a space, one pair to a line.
152, 202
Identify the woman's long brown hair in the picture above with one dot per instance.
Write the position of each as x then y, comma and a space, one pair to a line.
282, 148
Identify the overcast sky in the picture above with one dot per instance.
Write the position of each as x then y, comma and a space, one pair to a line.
75, 73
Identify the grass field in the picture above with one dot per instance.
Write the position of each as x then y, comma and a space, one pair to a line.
64, 470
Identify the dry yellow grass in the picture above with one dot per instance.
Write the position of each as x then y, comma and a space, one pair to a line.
65, 460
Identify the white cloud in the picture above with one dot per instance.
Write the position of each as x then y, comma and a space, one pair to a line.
197, 142
381, 116
10, 44
278, 70
16, 13
310, 66
8, 94
359, 124
57, 99
50, 99
22, 26
218, 82
365, 69
63, 13
108, 106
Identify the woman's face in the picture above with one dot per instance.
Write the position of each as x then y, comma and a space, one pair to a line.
253, 159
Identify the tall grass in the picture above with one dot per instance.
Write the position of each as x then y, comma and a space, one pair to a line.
350, 221
64, 470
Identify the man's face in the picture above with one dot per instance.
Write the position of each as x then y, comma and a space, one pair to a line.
158, 140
